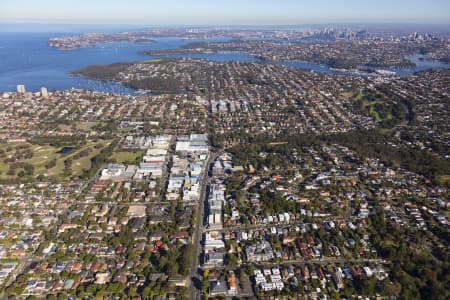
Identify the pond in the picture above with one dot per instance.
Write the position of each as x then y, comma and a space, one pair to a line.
65, 150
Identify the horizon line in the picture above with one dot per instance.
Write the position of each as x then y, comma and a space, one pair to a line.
9, 22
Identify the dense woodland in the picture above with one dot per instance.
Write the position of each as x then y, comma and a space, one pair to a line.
102, 72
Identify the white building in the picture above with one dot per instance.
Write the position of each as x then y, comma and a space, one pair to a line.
21, 89
44, 92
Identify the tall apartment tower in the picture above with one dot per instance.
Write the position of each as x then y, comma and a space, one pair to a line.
21, 89
44, 92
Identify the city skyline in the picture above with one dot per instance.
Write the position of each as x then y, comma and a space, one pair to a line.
201, 12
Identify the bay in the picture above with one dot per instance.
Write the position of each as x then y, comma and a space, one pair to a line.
25, 58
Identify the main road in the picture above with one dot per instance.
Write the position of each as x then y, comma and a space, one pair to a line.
197, 235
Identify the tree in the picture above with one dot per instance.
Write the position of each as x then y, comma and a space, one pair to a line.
205, 283
390, 288
62, 296
231, 260
173, 268
99, 293
147, 292
185, 259
131, 291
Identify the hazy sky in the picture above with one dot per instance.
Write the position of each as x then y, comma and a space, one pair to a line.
225, 12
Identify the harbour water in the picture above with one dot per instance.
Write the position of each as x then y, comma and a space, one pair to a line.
25, 58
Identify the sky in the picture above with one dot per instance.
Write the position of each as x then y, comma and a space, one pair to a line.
225, 12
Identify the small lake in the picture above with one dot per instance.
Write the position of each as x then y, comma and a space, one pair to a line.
65, 150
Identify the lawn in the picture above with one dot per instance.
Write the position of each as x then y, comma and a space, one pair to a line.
126, 130
347, 94
44, 154
84, 163
359, 96
80, 126
375, 113
444, 179
127, 157
372, 108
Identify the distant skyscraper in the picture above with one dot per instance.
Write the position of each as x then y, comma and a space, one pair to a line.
44, 93
21, 89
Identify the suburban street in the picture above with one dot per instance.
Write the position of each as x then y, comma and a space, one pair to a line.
317, 261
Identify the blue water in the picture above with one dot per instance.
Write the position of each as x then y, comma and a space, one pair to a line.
65, 150
25, 58
421, 65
